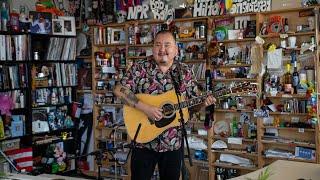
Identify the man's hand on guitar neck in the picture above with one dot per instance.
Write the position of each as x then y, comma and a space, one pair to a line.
209, 101
129, 98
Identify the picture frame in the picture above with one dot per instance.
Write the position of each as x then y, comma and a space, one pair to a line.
28, 5
69, 25
41, 22
57, 27
111, 113
117, 36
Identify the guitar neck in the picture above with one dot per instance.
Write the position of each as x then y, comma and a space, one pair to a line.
200, 99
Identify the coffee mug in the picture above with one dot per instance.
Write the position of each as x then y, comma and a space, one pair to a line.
283, 43
292, 41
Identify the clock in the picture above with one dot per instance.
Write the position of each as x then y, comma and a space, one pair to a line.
221, 128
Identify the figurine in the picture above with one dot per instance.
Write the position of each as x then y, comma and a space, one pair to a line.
68, 123
263, 30
60, 156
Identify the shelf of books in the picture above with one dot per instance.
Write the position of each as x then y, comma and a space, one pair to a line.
37, 80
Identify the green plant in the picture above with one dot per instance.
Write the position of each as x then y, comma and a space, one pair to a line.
264, 175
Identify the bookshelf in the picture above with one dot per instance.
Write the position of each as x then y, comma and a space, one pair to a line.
14, 92
53, 82
41, 79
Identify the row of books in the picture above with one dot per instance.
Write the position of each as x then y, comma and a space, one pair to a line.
62, 49
199, 70
51, 96
99, 35
13, 77
13, 47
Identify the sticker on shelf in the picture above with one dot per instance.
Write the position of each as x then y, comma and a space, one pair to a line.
234, 140
301, 130
260, 113
106, 69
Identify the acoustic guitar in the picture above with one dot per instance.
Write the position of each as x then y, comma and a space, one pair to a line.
150, 129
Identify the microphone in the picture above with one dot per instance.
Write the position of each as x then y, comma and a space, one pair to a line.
209, 109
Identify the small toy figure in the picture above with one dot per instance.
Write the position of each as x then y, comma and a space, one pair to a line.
60, 156
68, 123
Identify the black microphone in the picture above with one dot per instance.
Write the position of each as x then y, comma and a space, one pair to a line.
209, 109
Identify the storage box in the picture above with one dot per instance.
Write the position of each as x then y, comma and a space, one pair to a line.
10, 144
305, 153
40, 82
285, 4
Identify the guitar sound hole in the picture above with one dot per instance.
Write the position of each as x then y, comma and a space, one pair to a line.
168, 109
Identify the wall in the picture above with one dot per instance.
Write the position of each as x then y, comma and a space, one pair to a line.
285, 4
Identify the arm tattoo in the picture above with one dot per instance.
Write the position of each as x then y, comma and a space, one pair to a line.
124, 100
129, 97
132, 97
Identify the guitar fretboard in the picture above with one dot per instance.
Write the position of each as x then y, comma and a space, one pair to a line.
200, 99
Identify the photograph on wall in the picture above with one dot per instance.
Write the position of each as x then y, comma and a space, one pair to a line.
41, 22
57, 27
69, 25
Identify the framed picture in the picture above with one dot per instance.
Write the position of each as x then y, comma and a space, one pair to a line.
57, 27
117, 36
41, 22
110, 113
69, 25
27, 5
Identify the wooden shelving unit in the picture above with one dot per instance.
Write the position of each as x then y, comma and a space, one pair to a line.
310, 138
301, 137
106, 135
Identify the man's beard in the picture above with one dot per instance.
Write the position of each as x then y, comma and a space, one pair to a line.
164, 59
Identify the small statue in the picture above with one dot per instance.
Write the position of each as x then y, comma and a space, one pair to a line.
263, 30
68, 123
24, 21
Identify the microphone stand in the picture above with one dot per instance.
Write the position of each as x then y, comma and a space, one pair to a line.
182, 122
209, 109
99, 153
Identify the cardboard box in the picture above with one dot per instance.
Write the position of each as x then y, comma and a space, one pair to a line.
10, 145
285, 4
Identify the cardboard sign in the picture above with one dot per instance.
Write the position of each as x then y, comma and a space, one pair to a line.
246, 6
208, 8
138, 12
160, 10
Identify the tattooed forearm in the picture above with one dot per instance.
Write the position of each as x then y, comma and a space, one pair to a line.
132, 97
126, 96
124, 101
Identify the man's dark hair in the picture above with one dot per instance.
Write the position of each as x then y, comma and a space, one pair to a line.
165, 32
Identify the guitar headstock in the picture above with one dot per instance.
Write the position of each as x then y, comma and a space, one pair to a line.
244, 87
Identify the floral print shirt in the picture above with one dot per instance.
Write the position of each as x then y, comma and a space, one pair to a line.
146, 77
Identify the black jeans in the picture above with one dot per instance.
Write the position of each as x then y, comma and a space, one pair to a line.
143, 163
